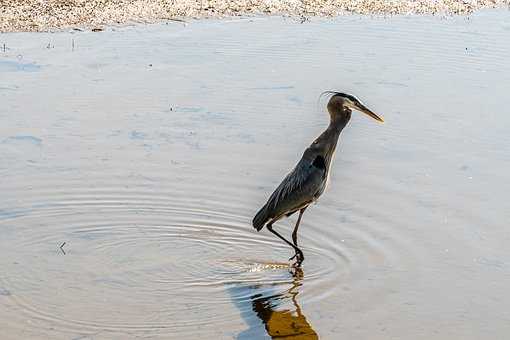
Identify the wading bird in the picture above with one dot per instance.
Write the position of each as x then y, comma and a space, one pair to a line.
308, 180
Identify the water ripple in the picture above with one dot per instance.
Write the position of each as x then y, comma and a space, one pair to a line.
131, 253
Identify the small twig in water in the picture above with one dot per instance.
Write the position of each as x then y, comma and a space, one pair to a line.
62, 248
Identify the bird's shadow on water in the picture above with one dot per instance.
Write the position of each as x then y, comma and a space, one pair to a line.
272, 309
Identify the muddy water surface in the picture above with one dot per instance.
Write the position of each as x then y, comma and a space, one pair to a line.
147, 151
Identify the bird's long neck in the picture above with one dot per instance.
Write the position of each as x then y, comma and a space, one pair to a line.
325, 144
337, 125
333, 132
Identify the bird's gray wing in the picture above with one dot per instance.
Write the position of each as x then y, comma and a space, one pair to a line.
300, 187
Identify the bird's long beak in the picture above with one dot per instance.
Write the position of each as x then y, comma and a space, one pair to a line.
360, 107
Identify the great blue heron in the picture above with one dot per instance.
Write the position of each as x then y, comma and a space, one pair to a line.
308, 180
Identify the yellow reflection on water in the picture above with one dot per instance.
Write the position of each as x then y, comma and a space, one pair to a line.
276, 312
286, 323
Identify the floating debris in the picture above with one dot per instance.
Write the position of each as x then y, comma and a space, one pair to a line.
62, 248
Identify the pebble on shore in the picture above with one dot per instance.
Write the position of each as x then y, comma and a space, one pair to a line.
46, 15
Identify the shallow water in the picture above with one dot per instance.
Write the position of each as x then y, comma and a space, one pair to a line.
133, 160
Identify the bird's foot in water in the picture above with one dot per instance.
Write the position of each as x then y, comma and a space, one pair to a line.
296, 272
299, 258
298, 262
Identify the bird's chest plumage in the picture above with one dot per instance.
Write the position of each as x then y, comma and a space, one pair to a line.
326, 176
322, 186
328, 171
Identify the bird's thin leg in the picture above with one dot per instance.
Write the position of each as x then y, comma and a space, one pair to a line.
294, 233
296, 249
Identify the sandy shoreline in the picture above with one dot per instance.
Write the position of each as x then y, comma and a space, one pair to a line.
45, 15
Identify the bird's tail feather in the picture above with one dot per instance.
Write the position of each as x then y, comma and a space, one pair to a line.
260, 219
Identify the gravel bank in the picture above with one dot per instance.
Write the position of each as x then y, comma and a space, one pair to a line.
44, 15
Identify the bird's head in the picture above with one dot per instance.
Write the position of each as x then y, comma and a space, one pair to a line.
340, 105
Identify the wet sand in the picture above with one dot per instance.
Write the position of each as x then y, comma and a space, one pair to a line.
36, 15
148, 150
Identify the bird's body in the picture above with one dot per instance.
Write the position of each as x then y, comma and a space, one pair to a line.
306, 182
309, 178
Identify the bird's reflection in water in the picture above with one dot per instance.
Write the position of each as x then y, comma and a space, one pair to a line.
277, 312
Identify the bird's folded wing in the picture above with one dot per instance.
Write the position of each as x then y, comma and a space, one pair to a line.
299, 187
